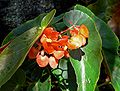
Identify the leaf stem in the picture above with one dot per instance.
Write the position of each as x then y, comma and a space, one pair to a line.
66, 29
105, 83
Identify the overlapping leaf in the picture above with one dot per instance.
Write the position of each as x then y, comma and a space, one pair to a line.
88, 68
14, 54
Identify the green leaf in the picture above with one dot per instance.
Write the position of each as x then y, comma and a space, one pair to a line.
16, 82
47, 19
74, 18
45, 86
96, 89
109, 40
22, 28
103, 8
114, 67
59, 26
57, 71
110, 46
57, 19
63, 64
87, 69
99, 8
14, 54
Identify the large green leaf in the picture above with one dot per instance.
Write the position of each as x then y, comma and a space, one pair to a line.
14, 54
110, 43
45, 86
87, 69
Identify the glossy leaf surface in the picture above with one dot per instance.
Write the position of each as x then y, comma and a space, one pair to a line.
110, 46
47, 19
88, 68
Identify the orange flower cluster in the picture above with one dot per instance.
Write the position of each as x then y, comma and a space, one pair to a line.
53, 46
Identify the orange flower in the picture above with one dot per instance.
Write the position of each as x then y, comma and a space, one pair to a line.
83, 30
43, 60
32, 53
79, 35
76, 42
49, 36
53, 46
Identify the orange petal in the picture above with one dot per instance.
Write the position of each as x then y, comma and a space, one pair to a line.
74, 32
84, 31
66, 53
83, 40
70, 45
50, 33
32, 53
48, 30
53, 62
48, 48
58, 54
63, 41
42, 61
54, 35
76, 42
43, 38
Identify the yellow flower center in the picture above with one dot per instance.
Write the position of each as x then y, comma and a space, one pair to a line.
48, 40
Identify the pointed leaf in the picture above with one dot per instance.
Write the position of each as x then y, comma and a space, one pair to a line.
47, 19
87, 69
14, 54
111, 43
